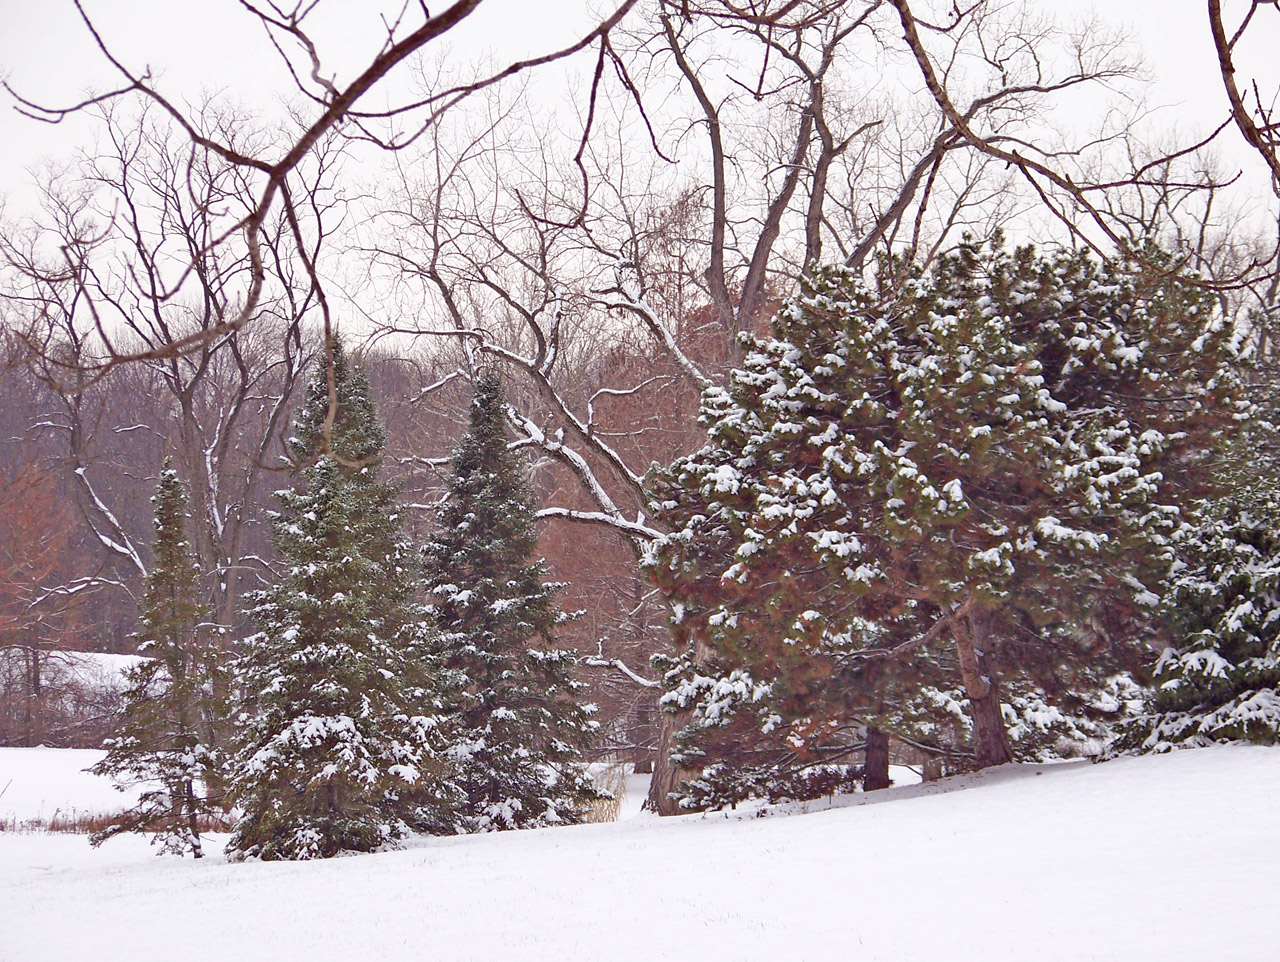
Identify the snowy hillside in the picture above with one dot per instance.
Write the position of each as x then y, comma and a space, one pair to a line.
1160, 858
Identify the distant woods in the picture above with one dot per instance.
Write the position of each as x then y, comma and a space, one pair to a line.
76, 479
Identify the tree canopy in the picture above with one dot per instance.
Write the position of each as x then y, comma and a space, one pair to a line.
974, 470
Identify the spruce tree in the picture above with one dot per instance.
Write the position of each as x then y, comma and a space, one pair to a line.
965, 481
166, 742
333, 741
517, 724
1219, 678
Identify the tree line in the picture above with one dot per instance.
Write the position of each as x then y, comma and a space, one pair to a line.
978, 508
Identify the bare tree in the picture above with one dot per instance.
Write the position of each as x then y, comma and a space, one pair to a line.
1252, 109
34, 533
271, 171
99, 258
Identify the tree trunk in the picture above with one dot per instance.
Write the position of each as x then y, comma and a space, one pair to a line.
666, 774
193, 819
876, 766
990, 742
931, 768
34, 722
642, 756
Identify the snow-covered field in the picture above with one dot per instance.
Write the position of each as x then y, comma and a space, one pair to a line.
39, 783
1163, 859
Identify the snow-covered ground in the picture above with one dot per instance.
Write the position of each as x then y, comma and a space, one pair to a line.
99, 666
1163, 859
37, 783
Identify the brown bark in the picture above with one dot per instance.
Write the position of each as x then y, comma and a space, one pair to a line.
990, 742
667, 775
193, 818
1262, 139
876, 767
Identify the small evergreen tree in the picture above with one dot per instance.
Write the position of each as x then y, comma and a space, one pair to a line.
517, 725
1218, 679
333, 741
166, 742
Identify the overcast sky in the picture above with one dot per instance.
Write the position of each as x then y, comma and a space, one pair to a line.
46, 52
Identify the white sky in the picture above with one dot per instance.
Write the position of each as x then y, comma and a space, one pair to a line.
46, 53
194, 46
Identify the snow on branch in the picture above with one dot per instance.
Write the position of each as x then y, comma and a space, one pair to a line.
122, 547
595, 661
633, 529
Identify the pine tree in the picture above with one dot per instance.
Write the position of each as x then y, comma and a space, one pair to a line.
333, 740
962, 480
517, 725
166, 742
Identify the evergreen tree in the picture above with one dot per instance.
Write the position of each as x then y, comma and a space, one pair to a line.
166, 742
1220, 679
517, 725
333, 740
943, 482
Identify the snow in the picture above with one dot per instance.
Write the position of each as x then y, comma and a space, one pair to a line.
37, 782
635, 791
91, 670
1164, 858
99, 664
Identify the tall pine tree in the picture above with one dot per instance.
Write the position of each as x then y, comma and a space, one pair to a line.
333, 742
166, 742
517, 725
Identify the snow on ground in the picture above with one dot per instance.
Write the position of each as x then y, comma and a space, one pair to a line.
92, 670
637, 789
1164, 859
99, 664
36, 783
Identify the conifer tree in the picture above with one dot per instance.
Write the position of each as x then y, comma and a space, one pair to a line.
333, 742
962, 480
166, 742
517, 725
1219, 679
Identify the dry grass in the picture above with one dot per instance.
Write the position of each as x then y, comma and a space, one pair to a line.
71, 822
75, 822
611, 778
